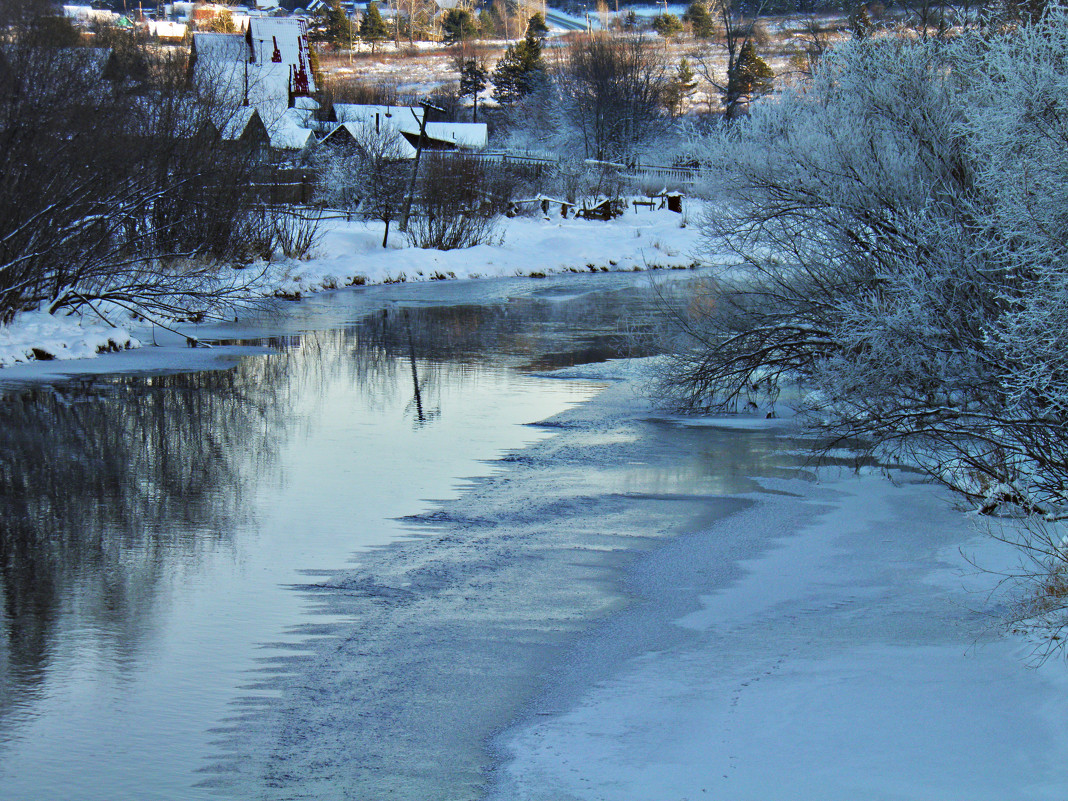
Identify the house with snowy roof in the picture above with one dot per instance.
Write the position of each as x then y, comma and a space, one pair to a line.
355, 121
268, 67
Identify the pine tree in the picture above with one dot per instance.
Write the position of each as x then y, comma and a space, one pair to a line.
332, 26
459, 25
667, 25
702, 25
860, 23
472, 81
680, 87
520, 71
372, 27
536, 25
751, 78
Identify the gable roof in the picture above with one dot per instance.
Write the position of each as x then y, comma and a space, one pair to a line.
280, 40
226, 47
288, 132
467, 135
351, 133
234, 125
406, 118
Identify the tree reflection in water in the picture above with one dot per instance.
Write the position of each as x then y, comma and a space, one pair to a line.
101, 484
108, 487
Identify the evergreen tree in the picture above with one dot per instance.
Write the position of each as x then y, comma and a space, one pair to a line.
680, 87
487, 23
536, 25
860, 23
520, 71
472, 81
702, 25
332, 26
459, 25
751, 78
372, 27
667, 25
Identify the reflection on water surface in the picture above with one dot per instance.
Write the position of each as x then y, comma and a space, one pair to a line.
149, 526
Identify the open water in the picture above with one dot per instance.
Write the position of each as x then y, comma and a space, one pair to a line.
158, 532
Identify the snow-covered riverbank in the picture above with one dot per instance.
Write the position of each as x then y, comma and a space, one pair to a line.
350, 253
641, 608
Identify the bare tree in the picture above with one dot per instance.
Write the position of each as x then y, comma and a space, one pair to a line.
612, 89
115, 185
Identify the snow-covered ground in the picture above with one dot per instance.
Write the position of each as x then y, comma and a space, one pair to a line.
351, 253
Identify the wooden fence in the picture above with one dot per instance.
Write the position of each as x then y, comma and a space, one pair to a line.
683, 176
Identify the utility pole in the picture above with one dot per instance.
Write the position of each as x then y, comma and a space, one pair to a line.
415, 167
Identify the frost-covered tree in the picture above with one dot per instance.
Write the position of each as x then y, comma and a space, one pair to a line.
905, 222
612, 89
905, 218
370, 175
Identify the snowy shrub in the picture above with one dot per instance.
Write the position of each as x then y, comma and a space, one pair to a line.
459, 203
903, 218
904, 222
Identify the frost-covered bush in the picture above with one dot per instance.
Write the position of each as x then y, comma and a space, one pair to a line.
904, 222
903, 218
371, 174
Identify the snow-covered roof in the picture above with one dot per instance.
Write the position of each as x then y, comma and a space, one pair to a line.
263, 67
89, 14
167, 29
277, 40
232, 124
215, 47
266, 87
356, 131
469, 135
287, 132
241, 21
404, 118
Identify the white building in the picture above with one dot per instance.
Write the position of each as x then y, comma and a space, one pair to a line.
267, 67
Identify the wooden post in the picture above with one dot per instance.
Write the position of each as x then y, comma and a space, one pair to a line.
415, 167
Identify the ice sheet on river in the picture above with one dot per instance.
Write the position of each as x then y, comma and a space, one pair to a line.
624, 612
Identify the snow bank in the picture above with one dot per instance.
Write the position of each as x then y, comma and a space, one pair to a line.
352, 253
44, 337
854, 658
